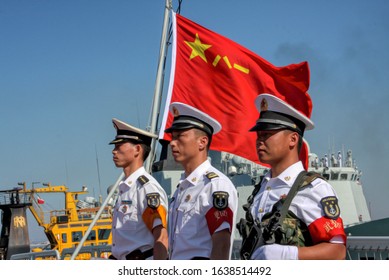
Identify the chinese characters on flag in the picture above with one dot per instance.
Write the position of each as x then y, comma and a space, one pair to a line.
222, 79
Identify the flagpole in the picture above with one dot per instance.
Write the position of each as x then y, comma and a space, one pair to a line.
158, 85
153, 122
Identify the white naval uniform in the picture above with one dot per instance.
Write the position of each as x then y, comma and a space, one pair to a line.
192, 216
129, 230
305, 205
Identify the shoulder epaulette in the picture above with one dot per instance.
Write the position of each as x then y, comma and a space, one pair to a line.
142, 179
211, 175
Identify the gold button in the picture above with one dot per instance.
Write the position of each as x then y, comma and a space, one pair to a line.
268, 188
260, 210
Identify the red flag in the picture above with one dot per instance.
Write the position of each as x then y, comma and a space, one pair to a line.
222, 79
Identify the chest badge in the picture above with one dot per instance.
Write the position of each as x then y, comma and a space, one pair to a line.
187, 198
220, 200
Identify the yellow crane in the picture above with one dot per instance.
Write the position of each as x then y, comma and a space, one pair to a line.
65, 228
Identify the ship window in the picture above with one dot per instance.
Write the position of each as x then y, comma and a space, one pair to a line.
335, 176
343, 176
104, 233
92, 235
64, 238
76, 236
326, 176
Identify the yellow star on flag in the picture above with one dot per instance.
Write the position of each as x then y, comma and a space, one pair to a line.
198, 48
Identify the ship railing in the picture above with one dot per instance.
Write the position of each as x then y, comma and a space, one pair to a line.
83, 214
358, 248
42, 255
88, 252
13, 197
90, 213
367, 248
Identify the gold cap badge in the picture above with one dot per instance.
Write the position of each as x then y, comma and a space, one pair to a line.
175, 112
264, 105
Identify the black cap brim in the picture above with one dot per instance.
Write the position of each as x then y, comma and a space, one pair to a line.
188, 122
269, 120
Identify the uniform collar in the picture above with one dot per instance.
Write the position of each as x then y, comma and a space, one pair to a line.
289, 175
134, 176
196, 175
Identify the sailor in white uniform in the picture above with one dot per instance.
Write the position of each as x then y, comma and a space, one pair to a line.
313, 228
139, 229
203, 209
340, 164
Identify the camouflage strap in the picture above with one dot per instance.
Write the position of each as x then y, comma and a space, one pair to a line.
253, 234
303, 179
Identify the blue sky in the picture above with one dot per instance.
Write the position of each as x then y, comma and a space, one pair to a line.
68, 67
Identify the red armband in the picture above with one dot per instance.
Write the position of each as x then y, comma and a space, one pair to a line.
216, 217
324, 229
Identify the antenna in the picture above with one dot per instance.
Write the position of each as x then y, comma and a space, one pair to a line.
137, 112
67, 171
98, 171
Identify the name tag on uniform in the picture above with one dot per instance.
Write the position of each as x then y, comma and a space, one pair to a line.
126, 202
125, 205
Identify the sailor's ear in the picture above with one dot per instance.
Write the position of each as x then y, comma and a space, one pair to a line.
203, 142
138, 148
294, 138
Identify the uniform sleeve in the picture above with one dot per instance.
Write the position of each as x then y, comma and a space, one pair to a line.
222, 202
154, 205
322, 213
